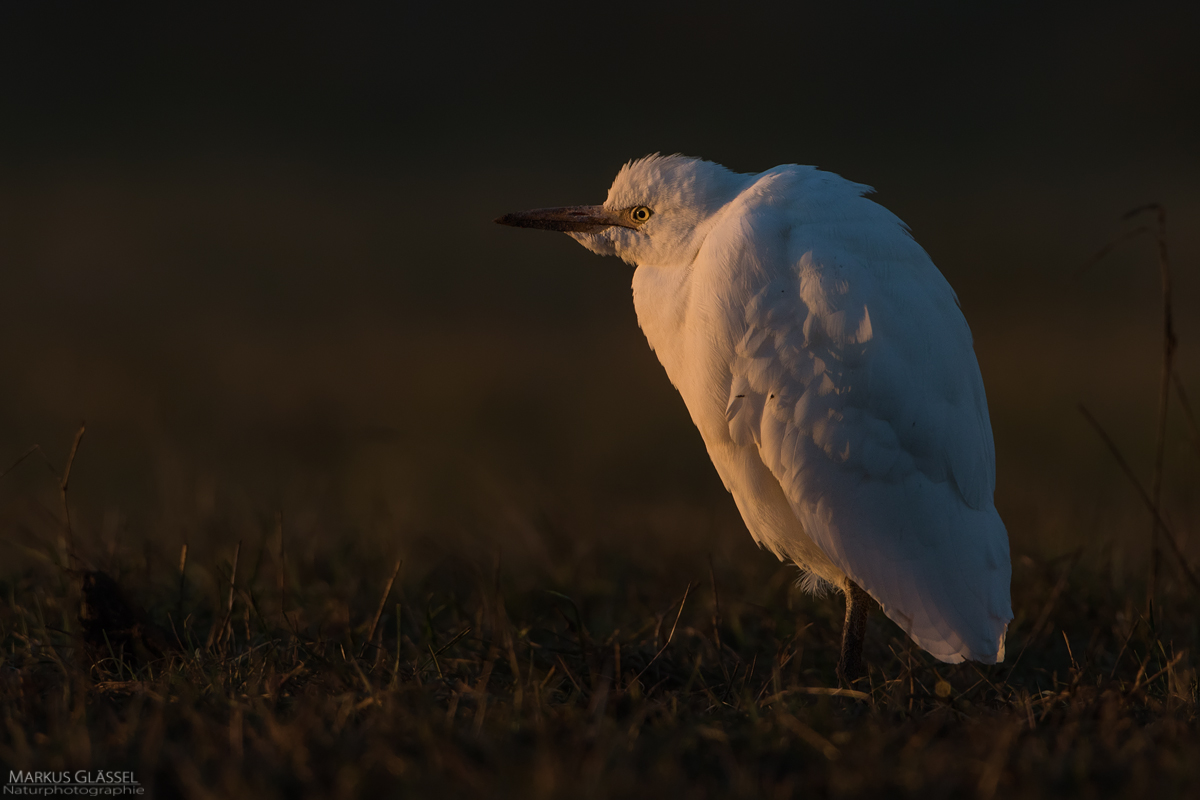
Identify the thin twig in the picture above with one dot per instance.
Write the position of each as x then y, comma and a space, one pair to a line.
1170, 537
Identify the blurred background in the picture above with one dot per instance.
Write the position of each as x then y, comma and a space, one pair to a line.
254, 250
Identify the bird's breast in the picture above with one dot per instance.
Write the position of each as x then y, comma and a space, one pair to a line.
693, 337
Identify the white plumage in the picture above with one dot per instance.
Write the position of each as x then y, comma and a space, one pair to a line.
830, 371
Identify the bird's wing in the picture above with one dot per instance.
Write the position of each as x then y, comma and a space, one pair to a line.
855, 378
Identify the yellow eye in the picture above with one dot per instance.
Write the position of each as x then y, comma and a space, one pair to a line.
640, 214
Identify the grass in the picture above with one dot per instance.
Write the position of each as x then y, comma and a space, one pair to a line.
598, 674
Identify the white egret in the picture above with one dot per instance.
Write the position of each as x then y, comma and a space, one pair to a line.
831, 373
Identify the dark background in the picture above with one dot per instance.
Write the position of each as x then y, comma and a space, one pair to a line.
253, 248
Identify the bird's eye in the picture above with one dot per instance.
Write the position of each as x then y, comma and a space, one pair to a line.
640, 214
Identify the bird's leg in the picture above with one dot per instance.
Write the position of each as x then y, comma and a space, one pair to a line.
850, 665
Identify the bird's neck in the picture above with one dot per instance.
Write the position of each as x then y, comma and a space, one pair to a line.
662, 300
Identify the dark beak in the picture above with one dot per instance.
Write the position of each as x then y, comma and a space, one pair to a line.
583, 219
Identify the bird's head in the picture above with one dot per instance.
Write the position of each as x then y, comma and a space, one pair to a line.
658, 211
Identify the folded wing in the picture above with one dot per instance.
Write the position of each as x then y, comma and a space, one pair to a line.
857, 382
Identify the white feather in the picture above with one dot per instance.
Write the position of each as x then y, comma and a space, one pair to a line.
830, 371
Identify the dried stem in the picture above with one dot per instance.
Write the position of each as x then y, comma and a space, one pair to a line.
182, 567
670, 636
379, 611
433, 654
229, 606
1169, 343
34, 449
281, 574
1161, 523
1108, 248
67, 543
1188, 415
1164, 389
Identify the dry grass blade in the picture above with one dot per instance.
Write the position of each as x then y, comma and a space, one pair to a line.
34, 449
1104, 251
1170, 537
1047, 609
670, 636
1164, 389
577, 625
387, 590
66, 477
306, 719
67, 544
1169, 343
570, 675
220, 637
1188, 415
825, 691
809, 736
435, 653
989, 780
433, 658
1124, 645
182, 571
1070, 652
1170, 665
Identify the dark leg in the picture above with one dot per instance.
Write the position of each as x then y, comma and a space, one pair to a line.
850, 665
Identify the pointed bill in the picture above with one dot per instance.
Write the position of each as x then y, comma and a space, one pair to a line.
581, 219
